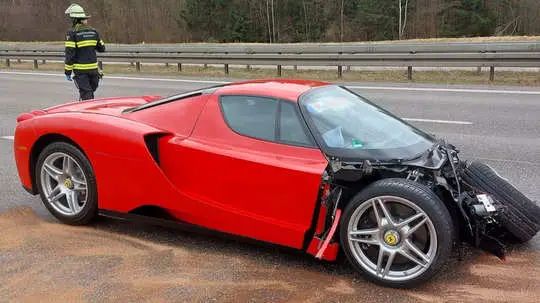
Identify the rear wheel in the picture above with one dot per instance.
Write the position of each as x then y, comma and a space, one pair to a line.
66, 183
397, 233
520, 216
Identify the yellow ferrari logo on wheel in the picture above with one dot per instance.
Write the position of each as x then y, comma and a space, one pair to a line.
391, 238
68, 183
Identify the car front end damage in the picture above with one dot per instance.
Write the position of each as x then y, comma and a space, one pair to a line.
476, 214
396, 200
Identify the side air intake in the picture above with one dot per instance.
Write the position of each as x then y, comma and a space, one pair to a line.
152, 143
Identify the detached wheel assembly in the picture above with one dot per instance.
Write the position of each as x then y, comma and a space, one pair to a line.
520, 216
397, 233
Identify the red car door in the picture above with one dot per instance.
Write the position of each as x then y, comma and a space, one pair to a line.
249, 168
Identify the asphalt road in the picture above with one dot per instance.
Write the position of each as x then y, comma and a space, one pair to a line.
498, 125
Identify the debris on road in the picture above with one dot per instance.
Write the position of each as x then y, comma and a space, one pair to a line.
115, 261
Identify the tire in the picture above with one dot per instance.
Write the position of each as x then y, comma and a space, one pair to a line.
438, 227
520, 216
80, 171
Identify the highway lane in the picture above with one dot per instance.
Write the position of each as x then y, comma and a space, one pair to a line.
503, 131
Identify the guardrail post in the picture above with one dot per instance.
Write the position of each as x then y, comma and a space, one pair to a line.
36, 64
18, 60
179, 67
166, 64
340, 72
226, 67
478, 70
279, 71
409, 73
138, 66
8, 64
100, 65
295, 68
248, 67
492, 73
43, 61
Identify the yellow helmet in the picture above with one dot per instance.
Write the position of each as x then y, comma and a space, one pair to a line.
76, 11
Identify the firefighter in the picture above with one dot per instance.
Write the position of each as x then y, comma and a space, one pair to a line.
82, 42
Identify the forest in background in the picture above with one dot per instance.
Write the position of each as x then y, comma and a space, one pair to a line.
274, 21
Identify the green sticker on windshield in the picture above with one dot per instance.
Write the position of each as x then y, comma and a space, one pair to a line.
357, 143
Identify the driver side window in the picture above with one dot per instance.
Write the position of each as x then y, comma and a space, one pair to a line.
267, 119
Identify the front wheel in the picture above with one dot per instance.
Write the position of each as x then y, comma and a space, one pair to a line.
66, 183
397, 233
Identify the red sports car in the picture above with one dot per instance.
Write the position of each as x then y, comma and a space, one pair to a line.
302, 164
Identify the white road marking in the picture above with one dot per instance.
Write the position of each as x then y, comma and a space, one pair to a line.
8, 137
393, 88
123, 78
438, 121
508, 160
168, 80
448, 90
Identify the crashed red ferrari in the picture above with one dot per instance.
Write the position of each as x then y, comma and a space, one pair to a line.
301, 164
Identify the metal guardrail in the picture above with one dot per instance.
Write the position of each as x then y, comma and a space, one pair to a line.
397, 54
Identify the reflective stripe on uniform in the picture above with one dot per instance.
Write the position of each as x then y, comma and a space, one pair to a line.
68, 67
70, 44
87, 43
79, 66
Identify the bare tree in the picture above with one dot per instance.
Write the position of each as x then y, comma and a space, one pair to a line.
306, 24
273, 21
341, 21
270, 32
402, 17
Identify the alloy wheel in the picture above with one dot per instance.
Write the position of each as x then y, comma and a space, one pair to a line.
392, 238
64, 184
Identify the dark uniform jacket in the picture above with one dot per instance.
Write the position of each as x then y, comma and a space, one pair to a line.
82, 42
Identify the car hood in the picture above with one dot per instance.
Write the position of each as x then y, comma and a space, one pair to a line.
108, 106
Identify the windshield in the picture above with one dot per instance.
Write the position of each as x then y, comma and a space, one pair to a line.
348, 126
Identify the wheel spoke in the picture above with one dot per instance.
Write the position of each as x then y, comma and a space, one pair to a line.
370, 241
386, 212
55, 194
407, 255
365, 232
52, 171
357, 236
377, 215
73, 201
79, 188
380, 259
411, 230
412, 248
80, 185
67, 165
384, 271
389, 263
410, 220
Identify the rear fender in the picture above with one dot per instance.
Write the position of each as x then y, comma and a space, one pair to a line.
124, 166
